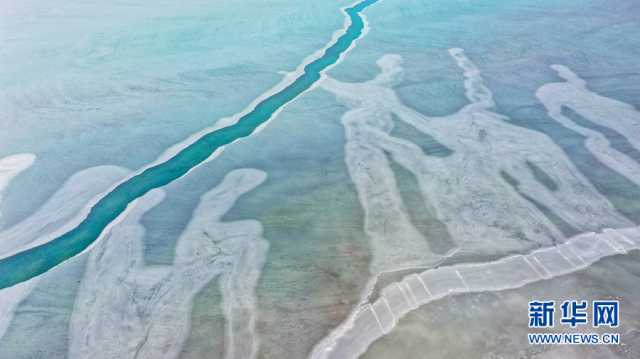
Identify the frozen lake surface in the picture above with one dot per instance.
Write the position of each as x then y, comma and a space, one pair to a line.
320, 179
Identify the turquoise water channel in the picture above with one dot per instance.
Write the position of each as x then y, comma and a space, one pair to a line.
35, 261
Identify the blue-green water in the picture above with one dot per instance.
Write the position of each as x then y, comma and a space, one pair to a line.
37, 260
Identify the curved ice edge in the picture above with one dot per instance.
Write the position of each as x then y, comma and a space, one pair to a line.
10, 167
371, 321
174, 150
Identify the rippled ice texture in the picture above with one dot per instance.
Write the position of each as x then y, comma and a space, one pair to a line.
475, 136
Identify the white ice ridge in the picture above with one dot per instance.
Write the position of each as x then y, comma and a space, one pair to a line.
373, 320
10, 167
470, 189
603, 111
126, 309
62, 210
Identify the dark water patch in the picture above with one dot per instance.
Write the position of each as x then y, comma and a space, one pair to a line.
622, 86
621, 192
423, 218
509, 179
541, 176
564, 227
44, 315
429, 145
617, 140
166, 222
388, 278
207, 334
444, 93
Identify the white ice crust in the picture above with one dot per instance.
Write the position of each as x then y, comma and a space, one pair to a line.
472, 196
127, 309
467, 190
618, 116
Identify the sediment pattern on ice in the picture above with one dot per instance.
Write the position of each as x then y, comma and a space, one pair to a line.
482, 192
488, 192
126, 309
618, 116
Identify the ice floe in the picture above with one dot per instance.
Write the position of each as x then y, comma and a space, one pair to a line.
126, 309
615, 115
